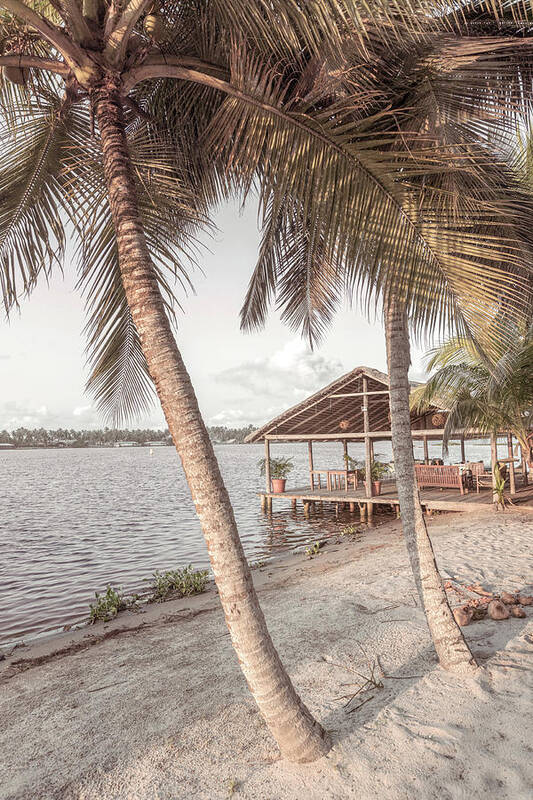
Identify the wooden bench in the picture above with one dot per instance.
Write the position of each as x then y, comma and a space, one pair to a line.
437, 475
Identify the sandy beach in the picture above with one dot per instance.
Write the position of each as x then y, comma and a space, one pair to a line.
154, 706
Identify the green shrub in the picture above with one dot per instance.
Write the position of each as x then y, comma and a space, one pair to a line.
310, 552
107, 605
178, 582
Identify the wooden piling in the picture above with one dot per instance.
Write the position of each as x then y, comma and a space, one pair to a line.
512, 479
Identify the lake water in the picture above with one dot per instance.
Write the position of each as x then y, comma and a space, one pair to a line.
72, 521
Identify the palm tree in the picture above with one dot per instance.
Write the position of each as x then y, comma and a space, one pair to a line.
480, 395
103, 106
412, 93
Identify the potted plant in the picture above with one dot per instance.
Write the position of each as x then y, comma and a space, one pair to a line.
378, 469
353, 465
279, 469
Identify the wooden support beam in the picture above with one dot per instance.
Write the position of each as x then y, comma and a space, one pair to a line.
358, 394
512, 477
463, 454
426, 450
431, 433
368, 452
524, 465
267, 466
311, 467
493, 460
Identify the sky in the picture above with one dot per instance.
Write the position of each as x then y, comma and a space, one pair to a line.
240, 379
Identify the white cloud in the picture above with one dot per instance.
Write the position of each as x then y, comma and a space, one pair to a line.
264, 387
294, 370
81, 411
14, 415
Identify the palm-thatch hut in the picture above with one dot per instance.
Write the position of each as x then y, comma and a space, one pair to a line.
355, 408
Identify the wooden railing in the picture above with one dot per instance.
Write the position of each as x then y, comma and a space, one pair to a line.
335, 479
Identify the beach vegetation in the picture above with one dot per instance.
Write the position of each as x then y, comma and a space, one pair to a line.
313, 550
350, 530
108, 604
176, 583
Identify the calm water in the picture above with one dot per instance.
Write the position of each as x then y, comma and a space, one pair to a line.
72, 521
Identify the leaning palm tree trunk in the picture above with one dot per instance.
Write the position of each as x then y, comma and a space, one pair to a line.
451, 647
299, 736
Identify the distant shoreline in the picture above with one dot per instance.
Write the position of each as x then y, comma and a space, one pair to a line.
10, 448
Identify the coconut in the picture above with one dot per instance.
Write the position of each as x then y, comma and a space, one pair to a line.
17, 75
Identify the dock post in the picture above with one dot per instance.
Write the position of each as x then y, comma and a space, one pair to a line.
306, 508
352, 508
463, 452
267, 466
493, 460
426, 450
269, 505
293, 503
311, 467
263, 502
369, 511
368, 443
362, 512
512, 480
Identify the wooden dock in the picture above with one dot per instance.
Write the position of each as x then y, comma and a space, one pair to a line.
432, 499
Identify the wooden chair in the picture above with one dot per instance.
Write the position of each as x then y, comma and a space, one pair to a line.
340, 479
483, 479
441, 476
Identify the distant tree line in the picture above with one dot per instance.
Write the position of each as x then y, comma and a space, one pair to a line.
69, 437
220, 433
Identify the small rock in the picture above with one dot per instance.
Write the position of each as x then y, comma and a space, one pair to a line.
67, 627
516, 611
525, 600
463, 615
498, 610
479, 612
508, 598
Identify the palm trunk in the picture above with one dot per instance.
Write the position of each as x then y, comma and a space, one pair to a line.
298, 735
452, 650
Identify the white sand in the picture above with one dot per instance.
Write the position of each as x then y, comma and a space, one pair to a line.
165, 713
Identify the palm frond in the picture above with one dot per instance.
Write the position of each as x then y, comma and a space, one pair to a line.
33, 205
383, 222
119, 379
294, 265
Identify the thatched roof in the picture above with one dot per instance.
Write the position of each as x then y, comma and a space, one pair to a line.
328, 413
